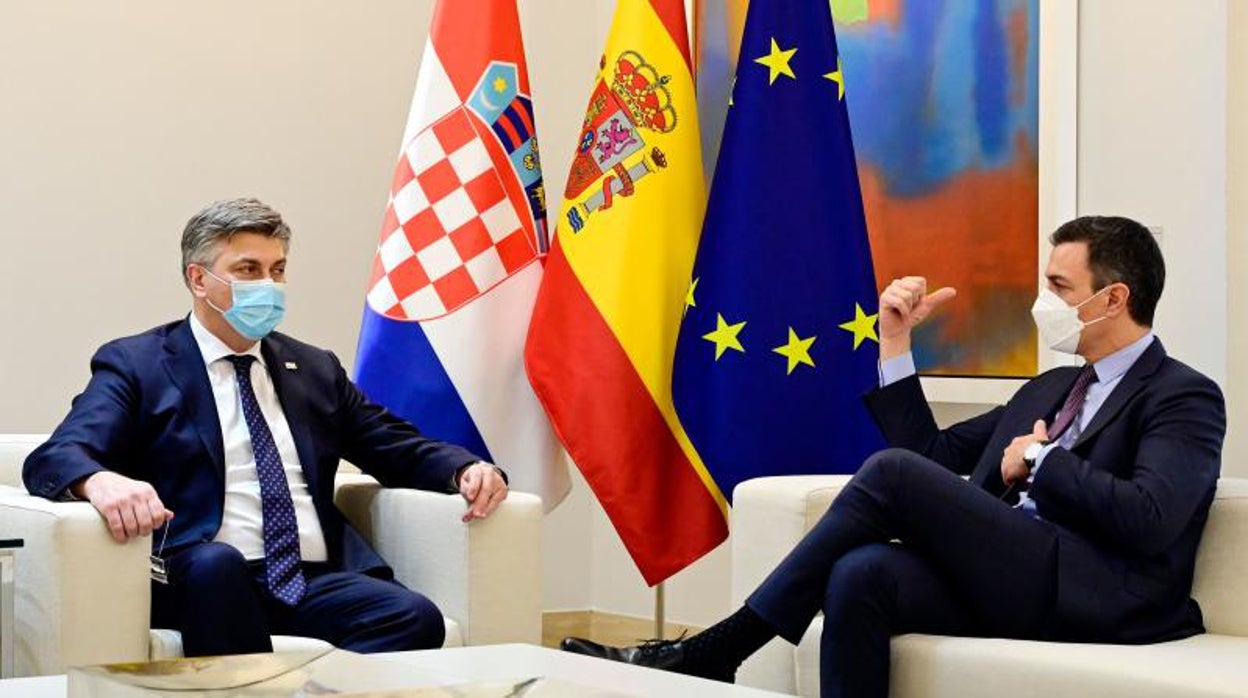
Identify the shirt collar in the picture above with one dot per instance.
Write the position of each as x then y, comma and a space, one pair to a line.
1112, 367
213, 349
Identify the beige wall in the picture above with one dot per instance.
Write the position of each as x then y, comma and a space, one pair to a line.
1236, 454
1153, 144
121, 119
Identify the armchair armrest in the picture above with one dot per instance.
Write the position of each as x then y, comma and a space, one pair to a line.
485, 575
769, 516
79, 596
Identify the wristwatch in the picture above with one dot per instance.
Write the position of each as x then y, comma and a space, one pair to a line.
1032, 452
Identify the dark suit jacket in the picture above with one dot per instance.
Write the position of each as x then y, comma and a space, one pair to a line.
148, 413
1128, 501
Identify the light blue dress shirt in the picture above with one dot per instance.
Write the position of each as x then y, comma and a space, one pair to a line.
1109, 373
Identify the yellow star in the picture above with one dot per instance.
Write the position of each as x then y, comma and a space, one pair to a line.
725, 336
500, 85
863, 326
777, 62
689, 301
797, 351
837, 77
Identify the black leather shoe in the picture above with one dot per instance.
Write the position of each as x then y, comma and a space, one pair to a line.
668, 655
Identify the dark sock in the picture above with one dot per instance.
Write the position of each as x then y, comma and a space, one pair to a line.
727, 643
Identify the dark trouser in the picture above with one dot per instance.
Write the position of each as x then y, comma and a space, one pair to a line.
219, 603
965, 564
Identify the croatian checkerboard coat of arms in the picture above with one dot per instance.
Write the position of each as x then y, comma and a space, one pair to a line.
612, 155
467, 207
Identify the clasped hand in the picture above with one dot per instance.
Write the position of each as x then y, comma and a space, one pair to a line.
1013, 468
130, 507
483, 488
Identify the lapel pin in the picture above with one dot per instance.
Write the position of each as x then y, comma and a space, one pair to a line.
292, 365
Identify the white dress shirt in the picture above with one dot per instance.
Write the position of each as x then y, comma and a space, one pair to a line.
242, 524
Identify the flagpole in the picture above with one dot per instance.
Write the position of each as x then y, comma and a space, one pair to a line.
660, 603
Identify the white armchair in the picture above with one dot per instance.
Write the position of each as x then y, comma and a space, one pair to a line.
81, 598
770, 515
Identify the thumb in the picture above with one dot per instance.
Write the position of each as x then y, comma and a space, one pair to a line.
1040, 430
940, 297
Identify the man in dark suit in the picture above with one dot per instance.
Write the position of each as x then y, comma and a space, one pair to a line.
1087, 492
240, 430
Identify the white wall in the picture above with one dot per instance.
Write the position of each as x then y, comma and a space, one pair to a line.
122, 119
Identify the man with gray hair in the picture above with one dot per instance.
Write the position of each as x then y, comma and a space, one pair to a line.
239, 430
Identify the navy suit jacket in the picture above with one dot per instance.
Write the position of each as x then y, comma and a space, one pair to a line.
1128, 501
148, 413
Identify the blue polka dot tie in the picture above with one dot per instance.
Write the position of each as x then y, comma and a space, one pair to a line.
282, 570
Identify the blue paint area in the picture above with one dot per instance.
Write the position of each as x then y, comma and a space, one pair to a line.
932, 97
992, 75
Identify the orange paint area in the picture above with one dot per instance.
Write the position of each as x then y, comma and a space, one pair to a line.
888, 11
967, 235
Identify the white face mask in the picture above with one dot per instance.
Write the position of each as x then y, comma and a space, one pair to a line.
1059, 324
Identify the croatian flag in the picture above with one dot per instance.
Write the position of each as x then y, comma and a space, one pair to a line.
461, 253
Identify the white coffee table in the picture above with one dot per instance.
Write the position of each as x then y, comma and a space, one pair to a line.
501, 662
496, 663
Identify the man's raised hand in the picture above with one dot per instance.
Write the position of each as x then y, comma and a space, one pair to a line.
904, 304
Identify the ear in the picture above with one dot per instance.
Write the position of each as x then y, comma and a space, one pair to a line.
1116, 299
195, 280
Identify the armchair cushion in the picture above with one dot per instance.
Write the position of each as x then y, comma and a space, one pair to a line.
930, 666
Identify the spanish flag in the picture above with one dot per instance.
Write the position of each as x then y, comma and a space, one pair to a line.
603, 334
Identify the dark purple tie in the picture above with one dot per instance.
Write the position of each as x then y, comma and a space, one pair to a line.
1074, 403
282, 570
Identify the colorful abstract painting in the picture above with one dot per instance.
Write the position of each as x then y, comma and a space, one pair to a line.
944, 105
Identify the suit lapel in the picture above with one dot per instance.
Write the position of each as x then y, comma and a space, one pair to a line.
1131, 383
291, 394
185, 366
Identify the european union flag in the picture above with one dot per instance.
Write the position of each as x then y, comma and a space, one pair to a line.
778, 341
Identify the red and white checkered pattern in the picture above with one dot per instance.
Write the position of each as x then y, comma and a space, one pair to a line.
451, 232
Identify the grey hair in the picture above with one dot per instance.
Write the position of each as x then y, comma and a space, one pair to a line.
222, 219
